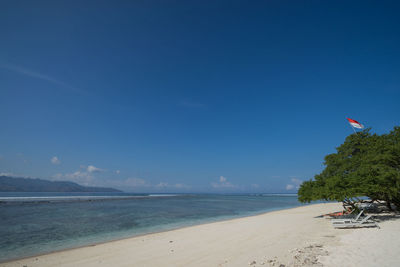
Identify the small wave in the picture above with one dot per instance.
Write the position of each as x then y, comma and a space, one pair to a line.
64, 199
163, 195
35, 199
279, 195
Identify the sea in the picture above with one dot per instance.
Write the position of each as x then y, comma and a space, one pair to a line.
37, 223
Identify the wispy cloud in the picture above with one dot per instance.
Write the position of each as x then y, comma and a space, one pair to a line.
255, 185
289, 187
54, 160
79, 177
163, 185
139, 184
223, 183
90, 175
83, 176
92, 168
40, 76
294, 184
10, 174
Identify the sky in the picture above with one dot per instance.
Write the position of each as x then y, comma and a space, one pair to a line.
191, 96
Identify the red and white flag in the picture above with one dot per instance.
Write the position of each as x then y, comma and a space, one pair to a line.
355, 124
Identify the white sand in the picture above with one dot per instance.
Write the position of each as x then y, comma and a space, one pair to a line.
367, 247
291, 237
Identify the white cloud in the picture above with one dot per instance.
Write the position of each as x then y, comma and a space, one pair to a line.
255, 186
131, 184
92, 168
55, 160
162, 185
117, 171
296, 181
289, 187
135, 182
10, 174
223, 183
77, 174
88, 175
79, 177
295, 184
83, 176
40, 76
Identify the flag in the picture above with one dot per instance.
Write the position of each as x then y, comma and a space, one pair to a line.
355, 124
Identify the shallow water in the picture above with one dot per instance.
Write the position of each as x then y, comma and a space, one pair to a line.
34, 223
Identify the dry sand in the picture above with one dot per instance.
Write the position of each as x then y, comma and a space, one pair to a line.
293, 237
367, 246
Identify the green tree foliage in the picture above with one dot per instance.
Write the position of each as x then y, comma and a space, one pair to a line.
364, 165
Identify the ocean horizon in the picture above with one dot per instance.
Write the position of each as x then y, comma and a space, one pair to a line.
37, 223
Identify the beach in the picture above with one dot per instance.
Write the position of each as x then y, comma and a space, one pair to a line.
291, 237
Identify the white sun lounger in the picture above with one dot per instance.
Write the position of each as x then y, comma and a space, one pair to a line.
349, 223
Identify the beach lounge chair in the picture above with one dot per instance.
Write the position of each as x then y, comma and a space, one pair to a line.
350, 223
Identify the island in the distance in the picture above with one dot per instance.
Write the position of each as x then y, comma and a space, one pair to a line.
16, 184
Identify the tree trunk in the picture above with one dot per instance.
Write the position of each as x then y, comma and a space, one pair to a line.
348, 202
396, 202
388, 204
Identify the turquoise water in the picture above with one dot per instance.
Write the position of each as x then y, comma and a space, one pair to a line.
34, 223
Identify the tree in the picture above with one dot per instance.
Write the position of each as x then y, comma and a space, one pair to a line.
364, 165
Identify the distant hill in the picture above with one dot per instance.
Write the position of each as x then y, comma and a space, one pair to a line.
13, 184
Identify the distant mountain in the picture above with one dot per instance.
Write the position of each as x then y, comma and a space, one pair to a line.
13, 184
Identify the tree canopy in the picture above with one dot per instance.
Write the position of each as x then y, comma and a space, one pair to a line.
365, 165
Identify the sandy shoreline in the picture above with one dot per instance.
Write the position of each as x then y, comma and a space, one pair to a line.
290, 237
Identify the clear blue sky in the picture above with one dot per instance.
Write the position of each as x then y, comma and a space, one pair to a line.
191, 96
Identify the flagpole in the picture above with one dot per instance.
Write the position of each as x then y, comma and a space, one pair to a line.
353, 129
